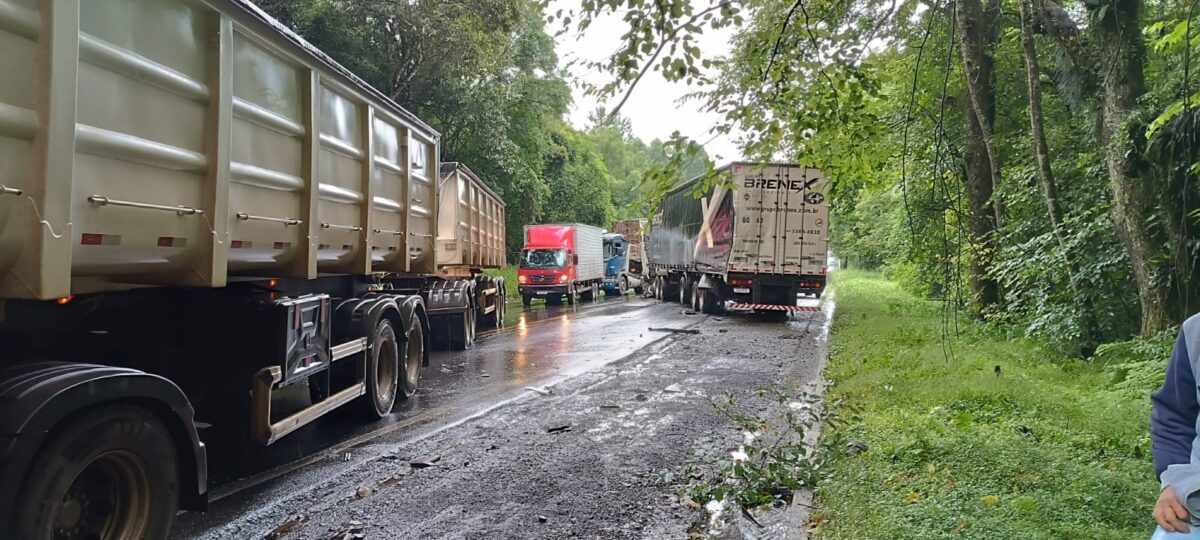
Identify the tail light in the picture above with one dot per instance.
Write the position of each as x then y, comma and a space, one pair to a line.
741, 282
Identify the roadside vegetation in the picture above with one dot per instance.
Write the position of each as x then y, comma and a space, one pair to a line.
974, 431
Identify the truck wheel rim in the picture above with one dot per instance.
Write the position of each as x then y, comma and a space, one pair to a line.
110, 499
385, 373
415, 350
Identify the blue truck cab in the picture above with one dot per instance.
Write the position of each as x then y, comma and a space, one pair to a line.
622, 266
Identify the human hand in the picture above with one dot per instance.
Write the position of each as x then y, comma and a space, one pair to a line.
1171, 514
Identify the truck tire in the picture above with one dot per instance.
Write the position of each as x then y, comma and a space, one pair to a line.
695, 302
710, 302
623, 286
571, 296
501, 307
685, 290
526, 300
658, 288
383, 370
590, 294
109, 474
462, 330
495, 318
412, 355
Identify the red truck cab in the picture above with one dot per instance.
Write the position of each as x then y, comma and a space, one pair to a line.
560, 261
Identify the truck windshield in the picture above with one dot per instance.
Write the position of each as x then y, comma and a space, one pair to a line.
543, 258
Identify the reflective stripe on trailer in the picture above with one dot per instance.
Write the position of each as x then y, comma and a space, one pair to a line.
772, 307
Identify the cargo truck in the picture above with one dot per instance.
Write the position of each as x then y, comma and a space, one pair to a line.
623, 256
561, 261
756, 240
198, 209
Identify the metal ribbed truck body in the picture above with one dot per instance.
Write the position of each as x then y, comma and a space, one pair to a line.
191, 143
199, 209
470, 221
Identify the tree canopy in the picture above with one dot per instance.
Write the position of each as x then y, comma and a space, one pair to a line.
484, 73
1029, 161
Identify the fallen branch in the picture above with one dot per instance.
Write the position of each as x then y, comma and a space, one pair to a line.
675, 330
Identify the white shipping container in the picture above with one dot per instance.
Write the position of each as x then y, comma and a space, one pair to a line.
589, 245
781, 220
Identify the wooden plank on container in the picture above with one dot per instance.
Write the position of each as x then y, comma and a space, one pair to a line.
43, 269
304, 265
212, 263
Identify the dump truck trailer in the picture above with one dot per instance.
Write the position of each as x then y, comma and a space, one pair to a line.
756, 240
198, 209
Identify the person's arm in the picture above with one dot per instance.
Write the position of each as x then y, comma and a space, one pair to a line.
1174, 412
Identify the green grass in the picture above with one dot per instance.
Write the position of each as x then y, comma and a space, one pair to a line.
510, 279
1050, 448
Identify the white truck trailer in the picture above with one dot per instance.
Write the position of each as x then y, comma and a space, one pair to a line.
197, 209
758, 239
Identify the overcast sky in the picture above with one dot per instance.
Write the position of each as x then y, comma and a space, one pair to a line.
653, 110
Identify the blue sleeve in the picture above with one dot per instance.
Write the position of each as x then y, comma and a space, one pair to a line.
1173, 412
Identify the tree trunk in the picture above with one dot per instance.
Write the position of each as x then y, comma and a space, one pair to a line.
978, 32
1087, 316
1119, 38
981, 218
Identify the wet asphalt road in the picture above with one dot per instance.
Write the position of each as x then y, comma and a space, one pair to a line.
537, 347
572, 350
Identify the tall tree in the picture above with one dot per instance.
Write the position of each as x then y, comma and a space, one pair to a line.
1118, 35
978, 33
1041, 152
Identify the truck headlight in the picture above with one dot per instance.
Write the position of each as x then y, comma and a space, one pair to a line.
522, 279
562, 278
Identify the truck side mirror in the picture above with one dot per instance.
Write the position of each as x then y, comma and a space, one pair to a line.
575, 260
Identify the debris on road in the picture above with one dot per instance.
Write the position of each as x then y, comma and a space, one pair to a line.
610, 407
391, 481
559, 429
538, 390
286, 527
640, 397
543, 519
353, 532
424, 462
363, 492
673, 389
723, 330
675, 330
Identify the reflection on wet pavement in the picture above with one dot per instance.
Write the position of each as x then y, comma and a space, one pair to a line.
534, 344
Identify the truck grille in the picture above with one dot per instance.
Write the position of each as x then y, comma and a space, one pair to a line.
541, 278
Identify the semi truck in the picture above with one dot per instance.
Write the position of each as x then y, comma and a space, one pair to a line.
756, 240
561, 261
201, 212
623, 256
